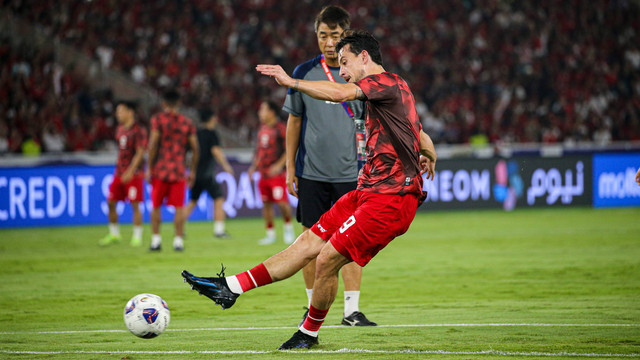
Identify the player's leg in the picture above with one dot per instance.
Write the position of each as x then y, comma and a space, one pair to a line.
176, 199
264, 185
268, 216
136, 238
224, 290
314, 199
116, 193
219, 218
328, 264
114, 228
351, 273
158, 191
287, 227
194, 195
136, 195
219, 215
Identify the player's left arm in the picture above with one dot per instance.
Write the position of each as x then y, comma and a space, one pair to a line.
321, 90
428, 158
219, 155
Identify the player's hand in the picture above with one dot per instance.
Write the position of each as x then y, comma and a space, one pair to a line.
126, 176
276, 71
275, 170
427, 166
292, 184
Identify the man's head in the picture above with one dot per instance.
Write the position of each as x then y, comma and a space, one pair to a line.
329, 24
268, 112
171, 98
125, 112
209, 117
357, 50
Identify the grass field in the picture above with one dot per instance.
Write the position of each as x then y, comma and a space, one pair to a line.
556, 283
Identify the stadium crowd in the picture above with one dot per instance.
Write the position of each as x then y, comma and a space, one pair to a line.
482, 71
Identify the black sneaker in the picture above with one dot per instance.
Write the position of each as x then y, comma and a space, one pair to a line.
357, 319
304, 317
155, 248
223, 235
215, 288
299, 340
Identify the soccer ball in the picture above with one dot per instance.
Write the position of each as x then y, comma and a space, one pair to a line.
146, 315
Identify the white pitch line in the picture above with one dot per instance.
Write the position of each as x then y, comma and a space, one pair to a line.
327, 326
341, 351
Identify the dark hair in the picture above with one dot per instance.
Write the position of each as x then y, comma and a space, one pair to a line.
361, 40
129, 104
273, 106
206, 114
333, 16
171, 97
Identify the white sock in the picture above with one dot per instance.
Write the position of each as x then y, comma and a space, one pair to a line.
309, 296
271, 233
177, 241
234, 284
289, 235
218, 227
351, 301
156, 240
114, 229
137, 232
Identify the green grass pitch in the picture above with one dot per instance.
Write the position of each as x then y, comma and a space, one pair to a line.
534, 284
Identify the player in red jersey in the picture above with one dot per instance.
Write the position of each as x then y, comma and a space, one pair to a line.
171, 132
269, 161
127, 181
364, 221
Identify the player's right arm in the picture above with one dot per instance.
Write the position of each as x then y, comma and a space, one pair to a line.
294, 125
321, 89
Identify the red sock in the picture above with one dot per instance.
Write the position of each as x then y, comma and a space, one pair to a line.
251, 279
313, 321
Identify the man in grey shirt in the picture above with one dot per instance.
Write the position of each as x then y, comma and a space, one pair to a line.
321, 159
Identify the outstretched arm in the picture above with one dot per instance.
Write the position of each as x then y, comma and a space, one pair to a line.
321, 90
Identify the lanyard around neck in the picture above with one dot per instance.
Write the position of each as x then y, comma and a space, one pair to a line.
327, 72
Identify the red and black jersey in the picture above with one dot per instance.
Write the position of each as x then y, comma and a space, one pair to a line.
393, 137
129, 141
174, 130
270, 146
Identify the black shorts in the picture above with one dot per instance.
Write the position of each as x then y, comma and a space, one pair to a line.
208, 184
316, 198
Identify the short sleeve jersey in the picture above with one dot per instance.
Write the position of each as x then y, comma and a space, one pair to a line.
327, 147
129, 141
393, 141
174, 130
207, 139
270, 146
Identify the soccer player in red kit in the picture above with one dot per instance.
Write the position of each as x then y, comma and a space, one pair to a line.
364, 221
269, 161
127, 181
171, 132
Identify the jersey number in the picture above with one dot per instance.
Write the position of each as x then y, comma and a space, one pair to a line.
347, 224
